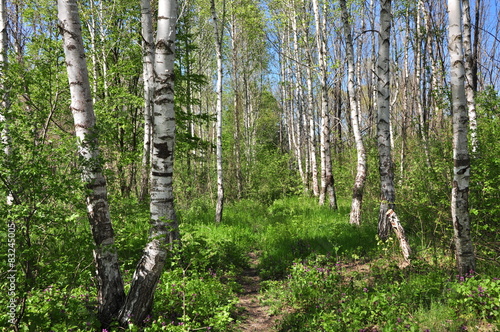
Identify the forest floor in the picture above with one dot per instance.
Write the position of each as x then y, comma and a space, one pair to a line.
256, 317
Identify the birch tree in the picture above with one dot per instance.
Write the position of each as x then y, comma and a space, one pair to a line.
219, 34
387, 192
326, 164
464, 250
164, 226
148, 77
359, 182
4, 95
109, 280
469, 72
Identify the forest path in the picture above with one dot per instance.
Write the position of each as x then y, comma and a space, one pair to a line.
256, 317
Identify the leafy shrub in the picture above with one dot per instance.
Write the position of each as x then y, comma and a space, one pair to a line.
476, 297
59, 308
193, 301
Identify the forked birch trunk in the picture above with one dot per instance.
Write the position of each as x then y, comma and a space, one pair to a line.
218, 29
359, 182
109, 281
464, 249
387, 192
148, 78
164, 227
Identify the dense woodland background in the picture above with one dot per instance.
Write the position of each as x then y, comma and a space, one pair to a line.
271, 122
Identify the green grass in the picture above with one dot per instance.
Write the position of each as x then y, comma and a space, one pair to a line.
327, 274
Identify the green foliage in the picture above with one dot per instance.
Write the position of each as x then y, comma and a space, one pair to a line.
273, 177
331, 295
194, 300
476, 297
60, 308
485, 179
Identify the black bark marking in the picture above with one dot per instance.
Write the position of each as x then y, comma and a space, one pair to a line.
462, 162
162, 174
163, 151
459, 228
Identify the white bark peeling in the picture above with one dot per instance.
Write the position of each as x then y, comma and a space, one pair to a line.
462, 178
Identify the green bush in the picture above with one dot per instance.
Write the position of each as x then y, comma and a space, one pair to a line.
476, 298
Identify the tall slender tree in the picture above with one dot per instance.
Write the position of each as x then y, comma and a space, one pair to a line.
219, 35
148, 78
4, 96
387, 190
164, 227
464, 250
327, 181
359, 182
109, 280
469, 72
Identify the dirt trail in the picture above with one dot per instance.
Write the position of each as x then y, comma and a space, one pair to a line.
256, 317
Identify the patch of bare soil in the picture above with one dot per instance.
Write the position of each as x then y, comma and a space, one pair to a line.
255, 316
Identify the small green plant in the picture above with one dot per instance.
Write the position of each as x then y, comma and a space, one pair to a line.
193, 301
476, 297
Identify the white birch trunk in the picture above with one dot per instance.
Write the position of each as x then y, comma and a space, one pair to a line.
164, 227
326, 164
419, 64
359, 182
92, 28
148, 78
464, 249
312, 130
387, 192
299, 106
219, 33
237, 105
469, 75
110, 285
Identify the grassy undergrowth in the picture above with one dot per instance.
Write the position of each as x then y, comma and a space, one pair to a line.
320, 273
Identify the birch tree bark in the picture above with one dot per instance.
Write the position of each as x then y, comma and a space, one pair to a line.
297, 125
148, 77
312, 127
359, 182
327, 181
237, 102
387, 192
420, 82
219, 33
469, 73
109, 280
164, 227
464, 250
